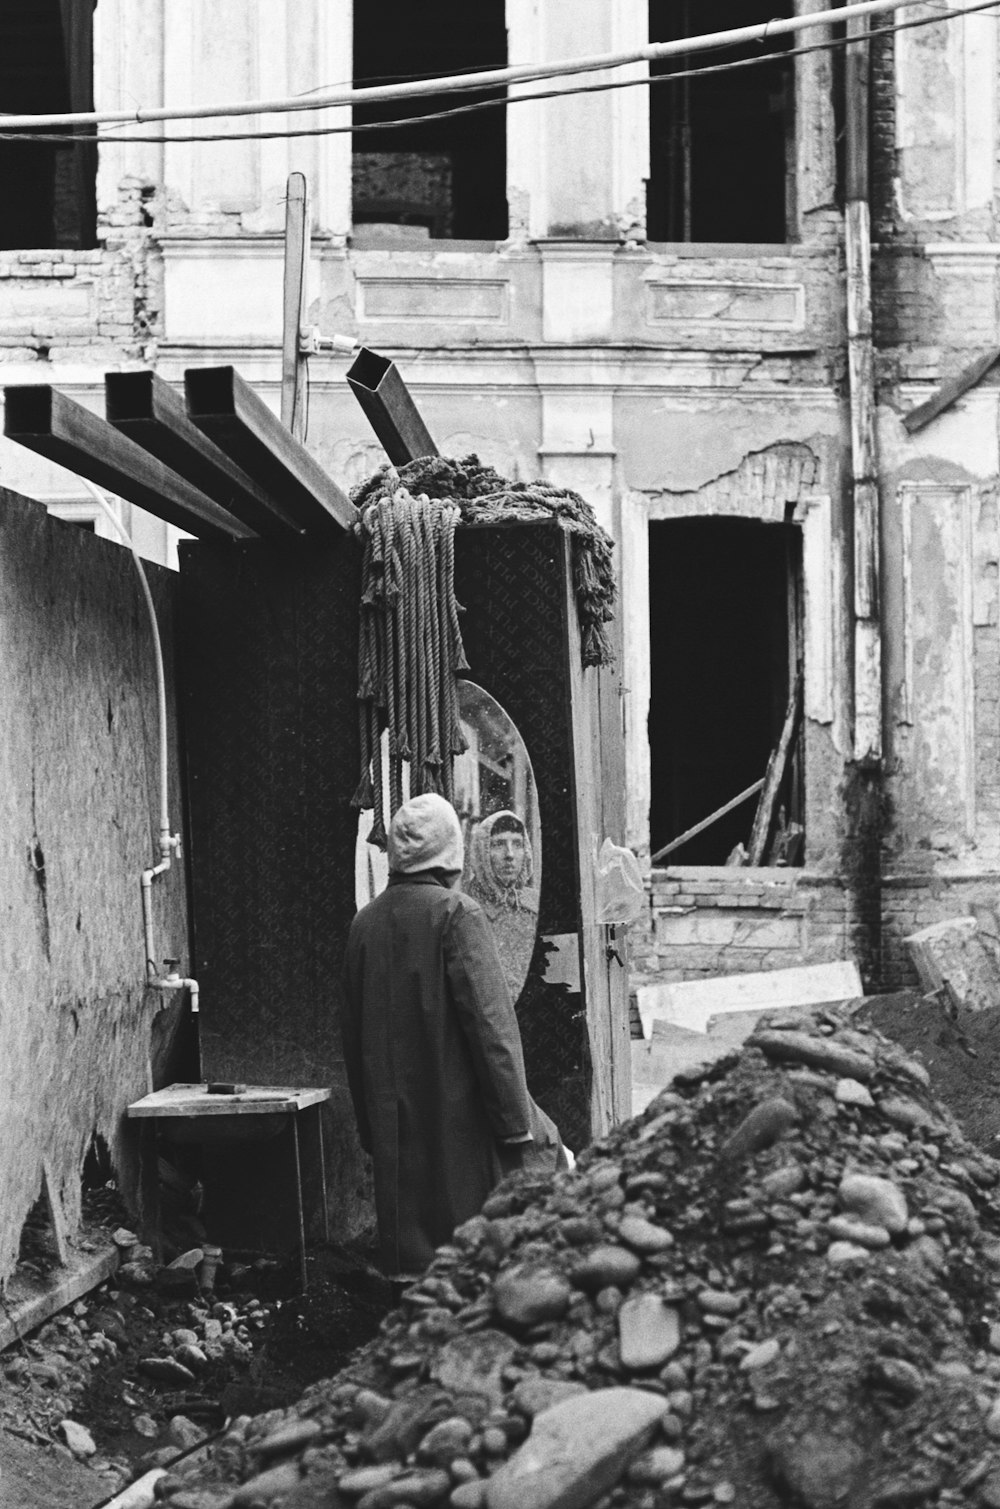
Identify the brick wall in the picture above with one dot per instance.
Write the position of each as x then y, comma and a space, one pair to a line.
911, 902
702, 922
99, 306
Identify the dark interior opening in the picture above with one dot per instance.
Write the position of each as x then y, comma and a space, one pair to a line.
47, 189
720, 145
443, 178
723, 638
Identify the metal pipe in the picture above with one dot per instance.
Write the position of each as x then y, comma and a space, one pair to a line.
388, 404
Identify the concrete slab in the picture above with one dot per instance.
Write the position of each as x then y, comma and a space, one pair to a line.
29, 1301
692, 1003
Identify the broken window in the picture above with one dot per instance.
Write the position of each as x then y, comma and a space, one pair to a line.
445, 177
721, 146
47, 188
724, 645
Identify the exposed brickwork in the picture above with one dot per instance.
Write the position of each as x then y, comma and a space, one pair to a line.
703, 922
99, 305
883, 131
910, 902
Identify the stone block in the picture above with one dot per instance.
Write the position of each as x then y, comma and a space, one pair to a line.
959, 958
692, 1003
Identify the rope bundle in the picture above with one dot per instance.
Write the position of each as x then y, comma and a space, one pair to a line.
410, 650
481, 494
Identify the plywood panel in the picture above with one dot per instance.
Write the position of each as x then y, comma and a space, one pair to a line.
78, 824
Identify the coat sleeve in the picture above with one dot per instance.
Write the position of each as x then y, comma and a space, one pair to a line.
350, 1033
486, 1014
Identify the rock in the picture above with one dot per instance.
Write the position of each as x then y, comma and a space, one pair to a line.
184, 1433
847, 1229
576, 1451
846, 1252
527, 1295
79, 1440
136, 1275
761, 1129
579, 1231
470, 1495
875, 1201
818, 1053
898, 1376
191, 1356
123, 1238
189, 1259
145, 1425
407, 1422
165, 1370
643, 1236
290, 1437
533, 1396
445, 1441
266, 1486
818, 1471
657, 1465
904, 1112
361, 1480
760, 1356
415, 1488
720, 1302
474, 1364
851, 1092
784, 1181
649, 1332
606, 1266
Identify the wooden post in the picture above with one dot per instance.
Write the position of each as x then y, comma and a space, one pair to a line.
857, 228
297, 244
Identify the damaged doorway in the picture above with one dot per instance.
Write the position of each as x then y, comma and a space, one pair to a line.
725, 636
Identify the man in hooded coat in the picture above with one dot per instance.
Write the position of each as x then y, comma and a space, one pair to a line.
431, 1043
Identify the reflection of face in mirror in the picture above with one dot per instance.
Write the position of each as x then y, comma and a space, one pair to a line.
499, 876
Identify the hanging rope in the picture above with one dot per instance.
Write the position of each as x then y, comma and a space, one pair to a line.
481, 494
409, 652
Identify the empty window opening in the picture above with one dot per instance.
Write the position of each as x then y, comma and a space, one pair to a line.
724, 615
439, 178
721, 146
47, 189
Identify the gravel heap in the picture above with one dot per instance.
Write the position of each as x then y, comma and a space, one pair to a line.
778, 1286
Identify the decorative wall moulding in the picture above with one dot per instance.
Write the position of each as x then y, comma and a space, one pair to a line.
452, 300
780, 306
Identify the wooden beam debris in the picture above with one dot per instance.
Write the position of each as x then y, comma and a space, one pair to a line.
386, 400
44, 420
776, 767
230, 413
144, 407
950, 392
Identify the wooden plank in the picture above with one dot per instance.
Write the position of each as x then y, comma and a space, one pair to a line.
296, 259
380, 390
42, 419
775, 774
150, 412
228, 411
57, 1220
950, 392
29, 1303
707, 822
691, 1003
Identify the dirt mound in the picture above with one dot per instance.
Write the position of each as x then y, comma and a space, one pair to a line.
776, 1287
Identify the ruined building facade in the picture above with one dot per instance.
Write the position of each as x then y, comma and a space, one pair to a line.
639, 293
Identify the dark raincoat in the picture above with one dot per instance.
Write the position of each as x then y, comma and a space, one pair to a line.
434, 1061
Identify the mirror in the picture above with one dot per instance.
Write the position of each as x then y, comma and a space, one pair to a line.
497, 805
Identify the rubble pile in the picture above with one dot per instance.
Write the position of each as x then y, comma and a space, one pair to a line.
777, 1287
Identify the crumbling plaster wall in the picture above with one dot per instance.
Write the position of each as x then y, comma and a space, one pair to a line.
80, 1034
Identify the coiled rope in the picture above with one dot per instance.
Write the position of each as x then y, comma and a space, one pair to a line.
482, 494
410, 651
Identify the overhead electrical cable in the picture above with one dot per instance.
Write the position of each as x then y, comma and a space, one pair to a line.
122, 135
492, 77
